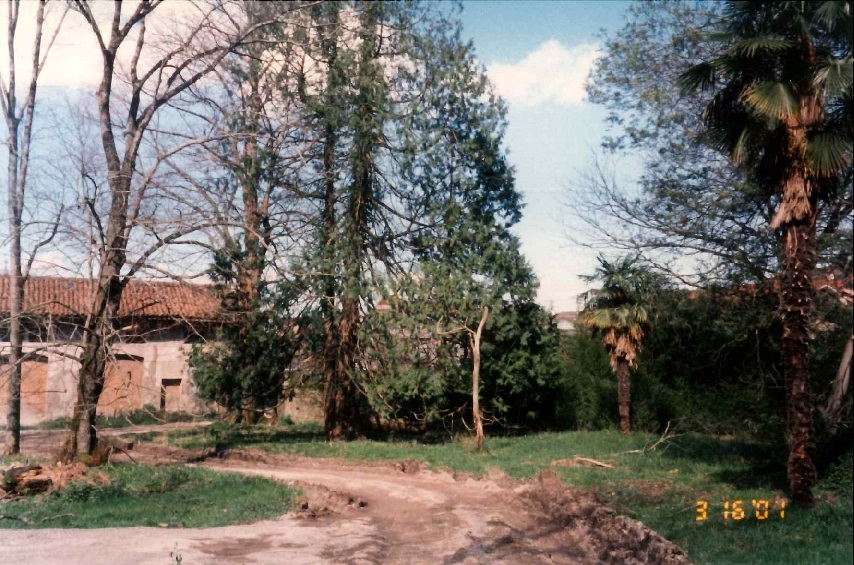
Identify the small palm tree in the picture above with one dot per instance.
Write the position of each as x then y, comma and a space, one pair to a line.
619, 317
782, 108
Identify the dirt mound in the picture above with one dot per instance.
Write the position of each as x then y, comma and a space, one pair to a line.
610, 537
36, 479
318, 501
409, 466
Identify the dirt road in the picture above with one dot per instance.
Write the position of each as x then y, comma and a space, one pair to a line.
372, 514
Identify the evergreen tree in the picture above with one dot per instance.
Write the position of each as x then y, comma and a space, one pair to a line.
409, 171
469, 296
246, 365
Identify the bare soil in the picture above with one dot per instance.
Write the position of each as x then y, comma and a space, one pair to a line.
354, 513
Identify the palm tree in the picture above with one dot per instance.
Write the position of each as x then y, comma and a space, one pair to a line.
782, 108
617, 315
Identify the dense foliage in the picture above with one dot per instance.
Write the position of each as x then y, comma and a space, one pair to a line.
245, 367
712, 364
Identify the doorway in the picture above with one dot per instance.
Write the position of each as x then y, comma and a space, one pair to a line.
170, 395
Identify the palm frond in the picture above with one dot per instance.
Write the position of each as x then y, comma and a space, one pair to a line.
835, 75
750, 46
773, 99
744, 146
833, 13
828, 152
699, 77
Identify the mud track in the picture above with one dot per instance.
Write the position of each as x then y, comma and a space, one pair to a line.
388, 513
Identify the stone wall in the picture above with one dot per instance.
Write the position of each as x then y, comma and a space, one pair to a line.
159, 359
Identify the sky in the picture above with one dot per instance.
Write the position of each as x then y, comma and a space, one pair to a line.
538, 55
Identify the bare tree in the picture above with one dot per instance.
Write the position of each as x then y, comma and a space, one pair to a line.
19, 129
161, 68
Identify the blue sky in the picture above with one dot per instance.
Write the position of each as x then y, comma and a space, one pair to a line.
538, 54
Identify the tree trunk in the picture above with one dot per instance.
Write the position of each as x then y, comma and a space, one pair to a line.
624, 397
16, 300
18, 144
251, 412
477, 416
333, 396
342, 399
840, 386
796, 301
16, 295
97, 335
250, 267
342, 418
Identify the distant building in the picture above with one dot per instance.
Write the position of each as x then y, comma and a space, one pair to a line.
157, 322
566, 322
584, 299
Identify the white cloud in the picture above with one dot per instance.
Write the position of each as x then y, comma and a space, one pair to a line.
551, 73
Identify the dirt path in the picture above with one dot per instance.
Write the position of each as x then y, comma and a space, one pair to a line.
397, 514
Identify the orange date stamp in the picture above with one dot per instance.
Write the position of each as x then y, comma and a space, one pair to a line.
737, 510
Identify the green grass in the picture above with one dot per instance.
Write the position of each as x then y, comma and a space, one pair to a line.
153, 496
659, 487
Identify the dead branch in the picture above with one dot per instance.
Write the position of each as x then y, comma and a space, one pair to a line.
666, 436
19, 518
56, 517
593, 462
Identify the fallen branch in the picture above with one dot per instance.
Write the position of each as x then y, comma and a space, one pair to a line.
19, 518
629, 451
579, 461
665, 437
593, 462
56, 517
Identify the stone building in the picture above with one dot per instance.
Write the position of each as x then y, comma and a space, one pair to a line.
157, 323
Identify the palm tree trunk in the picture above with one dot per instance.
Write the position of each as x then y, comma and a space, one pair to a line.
796, 301
624, 396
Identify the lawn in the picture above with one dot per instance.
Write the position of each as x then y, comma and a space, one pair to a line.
660, 487
167, 496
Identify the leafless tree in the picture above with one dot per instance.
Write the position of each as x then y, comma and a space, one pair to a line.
163, 65
18, 115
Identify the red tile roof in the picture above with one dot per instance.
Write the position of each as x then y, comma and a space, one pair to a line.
773, 285
61, 297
